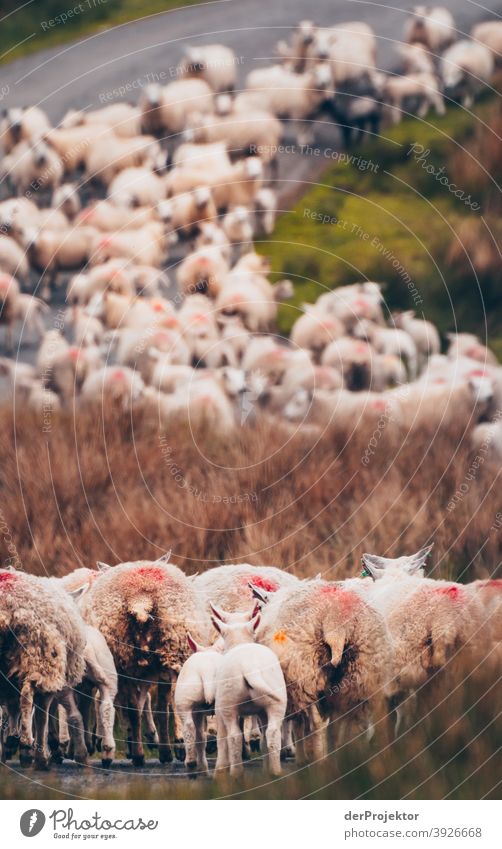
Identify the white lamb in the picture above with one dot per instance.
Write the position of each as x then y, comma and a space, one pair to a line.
466, 68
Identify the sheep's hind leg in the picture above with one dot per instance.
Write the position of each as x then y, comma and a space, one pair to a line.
42, 705
75, 726
273, 738
26, 736
165, 751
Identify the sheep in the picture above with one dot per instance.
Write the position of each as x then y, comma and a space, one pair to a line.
73, 144
390, 340
249, 682
145, 611
466, 68
350, 49
314, 330
202, 271
194, 700
296, 53
428, 620
122, 118
13, 259
43, 641
20, 377
442, 402
334, 651
468, 345
345, 409
351, 303
111, 276
9, 303
22, 124
413, 93
112, 385
167, 109
288, 95
235, 185
202, 156
204, 401
187, 211
134, 187
214, 63
229, 586
255, 132
265, 209
106, 216
250, 296
416, 58
106, 158
487, 437
32, 166
65, 199
238, 228
69, 369
87, 329
424, 334
29, 310
145, 245
352, 358
489, 33
432, 26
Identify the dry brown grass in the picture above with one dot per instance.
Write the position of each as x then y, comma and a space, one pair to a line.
93, 489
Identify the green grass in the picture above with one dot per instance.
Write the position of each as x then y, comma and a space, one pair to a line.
26, 30
394, 205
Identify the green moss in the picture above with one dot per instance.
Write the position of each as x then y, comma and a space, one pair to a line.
392, 222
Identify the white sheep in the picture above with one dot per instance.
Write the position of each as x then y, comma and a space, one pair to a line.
418, 91
32, 165
194, 700
433, 26
466, 68
112, 385
469, 345
167, 109
122, 118
13, 259
249, 681
22, 124
489, 33
136, 187
66, 199
423, 333
106, 157
214, 63
314, 329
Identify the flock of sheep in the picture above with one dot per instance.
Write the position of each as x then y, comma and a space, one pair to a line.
207, 351
238, 651
242, 651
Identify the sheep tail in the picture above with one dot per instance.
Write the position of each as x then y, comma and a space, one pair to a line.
209, 690
141, 608
255, 681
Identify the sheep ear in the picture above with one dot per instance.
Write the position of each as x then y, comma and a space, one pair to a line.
102, 567
217, 614
219, 625
374, 565
255, 611
191, 642
165, 557
417, 561
260, 595
255, 622
78, 593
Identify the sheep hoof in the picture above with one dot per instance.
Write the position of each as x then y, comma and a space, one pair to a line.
25, 756
57, 756
138, 760
152, 740
81, 758
165, 754
98, 743
106, 763
255, 745
191, 766
42, 762
179, 749
211, 746
288, 754
11, 746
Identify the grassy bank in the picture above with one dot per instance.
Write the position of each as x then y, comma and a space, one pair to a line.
28, 29
391, 215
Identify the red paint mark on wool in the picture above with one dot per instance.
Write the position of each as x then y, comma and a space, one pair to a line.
452, 592
346, 599
477, 372
7, 578
494, 584
261, 583
155, 573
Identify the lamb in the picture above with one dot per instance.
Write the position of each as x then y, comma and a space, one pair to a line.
238, 228
334, 652
265, 209
417, 58
28, 124
29, 165
489, 33
214, 63
424, 334
468, 345
194, 700
432, 26
296, 53
136, 187
167, 109
466, 68
145, 611
249, 681
390, 340
43, 642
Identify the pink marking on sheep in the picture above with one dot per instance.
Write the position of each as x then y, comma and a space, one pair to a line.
7, 578
453, 592
262, 583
